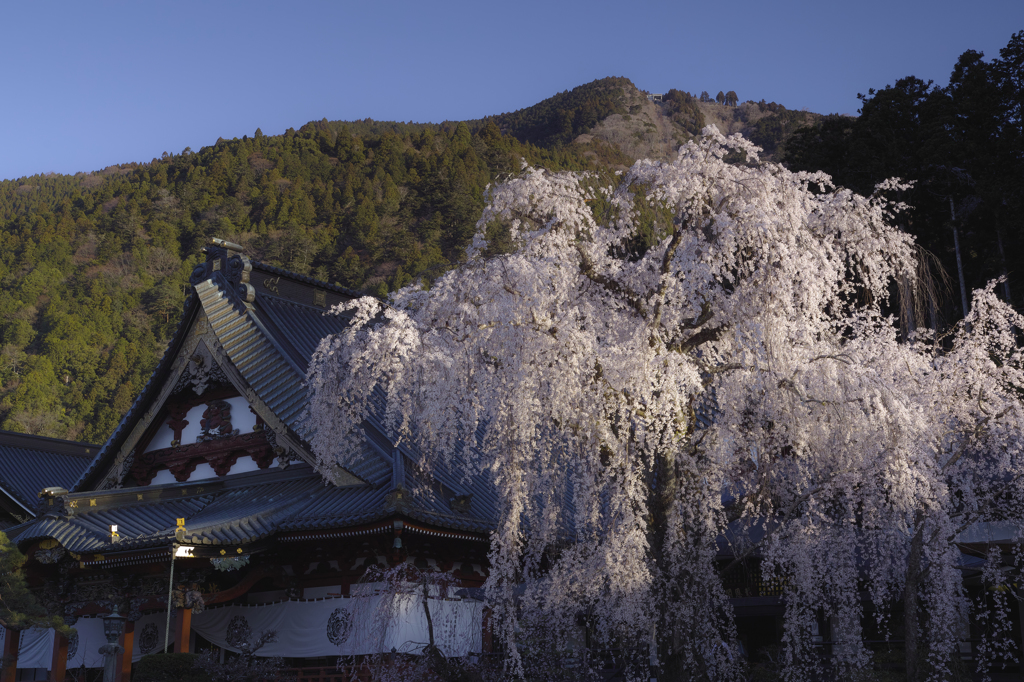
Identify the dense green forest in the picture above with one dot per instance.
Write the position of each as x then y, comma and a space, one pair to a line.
94, 267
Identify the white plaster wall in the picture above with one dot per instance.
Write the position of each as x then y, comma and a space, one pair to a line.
162, 477
190, 433
244, 464
162, 439
242, 418
202, 472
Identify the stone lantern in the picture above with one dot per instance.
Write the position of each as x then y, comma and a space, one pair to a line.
113, 626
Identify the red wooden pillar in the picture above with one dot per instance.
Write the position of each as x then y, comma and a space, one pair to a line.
124, 662
12, 639
487, 638
182, 631
59, 661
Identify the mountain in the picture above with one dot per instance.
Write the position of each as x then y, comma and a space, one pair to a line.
613, 114
94, 266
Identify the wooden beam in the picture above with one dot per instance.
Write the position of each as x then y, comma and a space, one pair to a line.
182, 631
252, 577
12, 639
59, 660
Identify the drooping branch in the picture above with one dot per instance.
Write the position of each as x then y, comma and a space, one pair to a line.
666, 266
612, 286
706, 335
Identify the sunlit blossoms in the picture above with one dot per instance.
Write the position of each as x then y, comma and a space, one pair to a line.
692, 370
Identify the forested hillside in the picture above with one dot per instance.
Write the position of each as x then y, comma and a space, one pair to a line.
94, 267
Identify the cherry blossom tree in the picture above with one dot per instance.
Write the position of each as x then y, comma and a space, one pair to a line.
682, 370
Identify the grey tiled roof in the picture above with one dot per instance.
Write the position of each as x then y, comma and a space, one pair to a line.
274, 375
229, 512
297, 327
140, 525
30, 463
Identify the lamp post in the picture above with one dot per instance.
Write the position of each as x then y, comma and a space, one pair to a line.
113, 626
177, 550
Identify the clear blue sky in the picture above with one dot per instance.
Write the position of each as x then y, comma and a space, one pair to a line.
87, 85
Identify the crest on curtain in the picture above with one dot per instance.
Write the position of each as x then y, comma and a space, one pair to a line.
338, 626
148, 638
239, 633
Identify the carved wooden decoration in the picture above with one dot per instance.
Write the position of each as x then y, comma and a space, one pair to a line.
216, 422
219, 444
221, 454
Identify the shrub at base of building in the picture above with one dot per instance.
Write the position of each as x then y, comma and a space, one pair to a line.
168, 668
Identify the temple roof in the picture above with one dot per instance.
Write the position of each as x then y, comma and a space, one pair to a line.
234, 512
267, 323
30, 463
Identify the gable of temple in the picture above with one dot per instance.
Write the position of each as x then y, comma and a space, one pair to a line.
228, 395
195, 437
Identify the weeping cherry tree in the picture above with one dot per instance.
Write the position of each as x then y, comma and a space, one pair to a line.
684, 369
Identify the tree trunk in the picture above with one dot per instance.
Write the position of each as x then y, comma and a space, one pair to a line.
911, 625
1002, 259
662, 498
426, 610
959, 263
436, 661
660, 502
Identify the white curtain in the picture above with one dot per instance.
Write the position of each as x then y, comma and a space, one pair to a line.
149, 635
327, 627
84, 645
36, 647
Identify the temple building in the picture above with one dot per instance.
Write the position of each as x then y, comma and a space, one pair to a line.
211, 470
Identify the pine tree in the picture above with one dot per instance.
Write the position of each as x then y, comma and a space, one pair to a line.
19, 607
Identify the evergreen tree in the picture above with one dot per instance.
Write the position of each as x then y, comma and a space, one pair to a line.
19, 607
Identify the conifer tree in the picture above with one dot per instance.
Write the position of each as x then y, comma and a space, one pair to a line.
20, 609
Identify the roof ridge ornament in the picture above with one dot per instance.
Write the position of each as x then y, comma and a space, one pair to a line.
226, 258
224, 244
